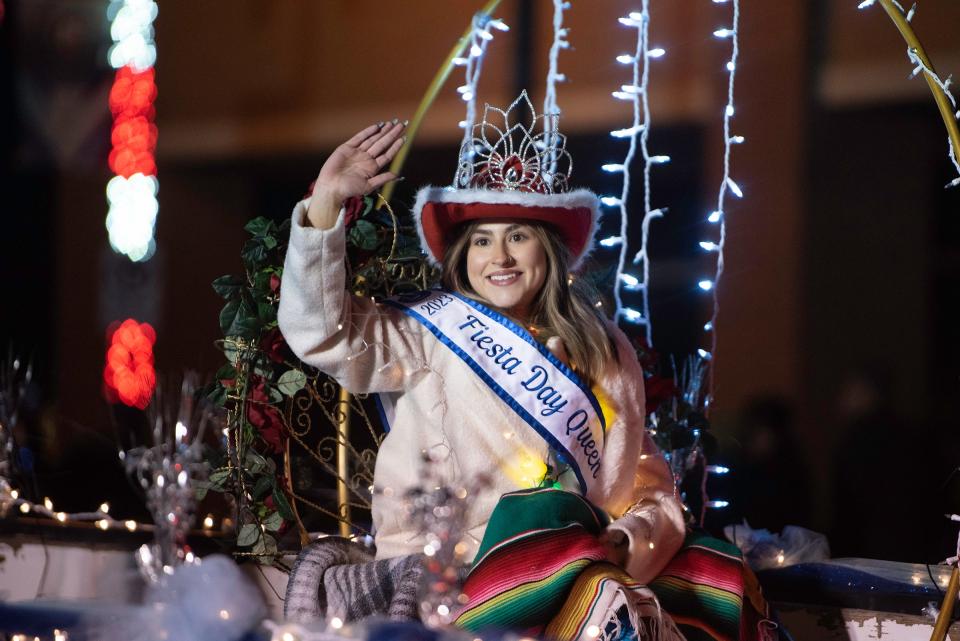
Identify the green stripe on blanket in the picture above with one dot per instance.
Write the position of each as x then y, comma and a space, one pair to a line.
530, 511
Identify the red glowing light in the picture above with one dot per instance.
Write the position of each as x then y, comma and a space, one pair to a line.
134, 135
128, 376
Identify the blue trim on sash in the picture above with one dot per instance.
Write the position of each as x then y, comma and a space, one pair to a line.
521, 332
383, 415
499, 391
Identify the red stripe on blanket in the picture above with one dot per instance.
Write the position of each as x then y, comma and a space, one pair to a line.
530, 560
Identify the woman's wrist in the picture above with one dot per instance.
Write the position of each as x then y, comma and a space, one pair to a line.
324, 208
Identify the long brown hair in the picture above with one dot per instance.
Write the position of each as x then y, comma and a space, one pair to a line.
565, 307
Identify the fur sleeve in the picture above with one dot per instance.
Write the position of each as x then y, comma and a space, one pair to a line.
636, 486
365, 346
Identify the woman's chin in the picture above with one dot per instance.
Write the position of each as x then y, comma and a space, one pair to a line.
501, 300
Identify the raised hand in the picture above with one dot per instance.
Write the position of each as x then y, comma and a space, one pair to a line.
355, 168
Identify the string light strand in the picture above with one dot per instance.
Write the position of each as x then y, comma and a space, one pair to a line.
480, 38
946, 102
727, 183
550, 106
132, 192
638, 136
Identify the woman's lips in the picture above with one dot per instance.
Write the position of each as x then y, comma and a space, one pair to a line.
502, 279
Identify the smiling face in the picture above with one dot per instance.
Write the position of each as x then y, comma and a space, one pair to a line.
506, 265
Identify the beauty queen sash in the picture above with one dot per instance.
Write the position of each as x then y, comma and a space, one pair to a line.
544, 392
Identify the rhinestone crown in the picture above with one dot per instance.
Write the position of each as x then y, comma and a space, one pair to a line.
511, 157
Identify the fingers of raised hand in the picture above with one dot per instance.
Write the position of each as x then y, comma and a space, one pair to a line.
380, 143
380, 180
364, 134
388, 155
382, 129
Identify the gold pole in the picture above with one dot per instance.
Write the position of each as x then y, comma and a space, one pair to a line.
288, 474
946, 610
343, 437
432, 91
943, 102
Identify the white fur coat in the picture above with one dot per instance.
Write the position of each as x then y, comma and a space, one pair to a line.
443, 407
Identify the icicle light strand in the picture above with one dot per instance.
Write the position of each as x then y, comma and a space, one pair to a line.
726, 184
638, 134
550, 106
480, 38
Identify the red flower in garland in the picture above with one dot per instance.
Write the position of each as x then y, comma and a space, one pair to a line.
266, 417
352, 207
274, 345
657, 389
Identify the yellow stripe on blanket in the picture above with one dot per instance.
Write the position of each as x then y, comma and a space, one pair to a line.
584, 597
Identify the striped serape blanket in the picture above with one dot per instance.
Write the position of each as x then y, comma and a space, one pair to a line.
542, 570
711, 593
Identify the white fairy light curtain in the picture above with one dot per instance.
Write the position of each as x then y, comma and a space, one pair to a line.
480, 38
715, 244
637, 134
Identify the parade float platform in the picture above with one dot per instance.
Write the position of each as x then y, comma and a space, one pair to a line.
51, 577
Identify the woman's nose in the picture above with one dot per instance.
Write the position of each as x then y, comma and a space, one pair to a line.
502, 256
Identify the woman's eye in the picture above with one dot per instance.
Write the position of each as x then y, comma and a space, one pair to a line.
517, 237
480, 242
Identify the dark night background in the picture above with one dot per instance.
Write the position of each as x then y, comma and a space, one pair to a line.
838, 341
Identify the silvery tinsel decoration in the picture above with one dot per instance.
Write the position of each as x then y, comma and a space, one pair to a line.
168, 471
